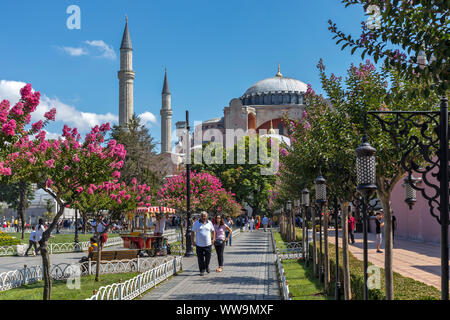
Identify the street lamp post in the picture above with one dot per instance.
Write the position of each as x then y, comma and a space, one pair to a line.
76, 226
305, 203
426, 144
289, 218
321, 198
366, 177
338, 284
189, 251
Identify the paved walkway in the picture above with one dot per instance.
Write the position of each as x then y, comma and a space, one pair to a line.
249, 273
418, 260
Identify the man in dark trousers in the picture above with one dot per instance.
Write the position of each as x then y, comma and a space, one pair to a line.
379, 236
202, 230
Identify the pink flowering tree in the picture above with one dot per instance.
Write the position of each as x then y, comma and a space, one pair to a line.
65, 168
111, 198
14, 125
207, 194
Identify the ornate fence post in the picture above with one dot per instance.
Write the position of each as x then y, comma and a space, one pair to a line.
138, 264
120, 291
25, 272
89, 267
140, 284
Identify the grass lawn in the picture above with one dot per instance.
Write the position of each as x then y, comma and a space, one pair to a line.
302, 284
61, 238
61, 292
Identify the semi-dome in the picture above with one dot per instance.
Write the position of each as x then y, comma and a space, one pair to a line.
275, 90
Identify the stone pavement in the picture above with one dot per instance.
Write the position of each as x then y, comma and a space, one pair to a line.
418, 260
249, 273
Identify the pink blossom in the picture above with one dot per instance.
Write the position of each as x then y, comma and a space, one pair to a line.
49, 183
9, 128
66, 167
116, 174
50, 115
17, 109
75, 158
50, 163
37, 126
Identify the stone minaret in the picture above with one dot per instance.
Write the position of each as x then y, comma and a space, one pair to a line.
166, 117
126, 78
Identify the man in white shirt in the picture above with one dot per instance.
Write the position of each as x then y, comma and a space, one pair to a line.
32, 241
202, 230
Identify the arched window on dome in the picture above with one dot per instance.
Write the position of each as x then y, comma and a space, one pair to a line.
294, 99
280, 128
251, 121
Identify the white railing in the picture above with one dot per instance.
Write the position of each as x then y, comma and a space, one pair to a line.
134, 287
281, 274
63, 271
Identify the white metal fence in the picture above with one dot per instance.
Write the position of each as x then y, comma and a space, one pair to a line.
281, 274
63, 271
64, 247
134, 287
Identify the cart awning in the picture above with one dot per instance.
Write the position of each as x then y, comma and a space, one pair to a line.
155, 209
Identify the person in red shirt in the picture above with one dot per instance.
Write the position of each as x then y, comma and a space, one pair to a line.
351, 228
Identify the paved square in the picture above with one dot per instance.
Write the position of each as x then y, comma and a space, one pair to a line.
249, 274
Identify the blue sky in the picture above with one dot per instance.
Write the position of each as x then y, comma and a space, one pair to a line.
213, 52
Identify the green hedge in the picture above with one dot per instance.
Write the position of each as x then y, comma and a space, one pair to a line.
404, 288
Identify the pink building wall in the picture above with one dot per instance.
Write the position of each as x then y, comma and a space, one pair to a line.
418, 223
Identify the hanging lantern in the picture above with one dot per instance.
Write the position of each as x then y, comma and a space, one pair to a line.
365, 166
296, 203
288, 205
305, 197
321, 189
410, 192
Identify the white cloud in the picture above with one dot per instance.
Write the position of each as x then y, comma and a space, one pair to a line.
65, 113
106, 50
148, 117
75, 52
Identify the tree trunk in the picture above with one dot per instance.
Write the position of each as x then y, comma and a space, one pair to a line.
22, 204
314, 241
326, 253
294, 238
46, 272
46, 266
99, 249
304, 234
388, 254
345, 258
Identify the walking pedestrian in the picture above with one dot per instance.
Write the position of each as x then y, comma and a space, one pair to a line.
40, 229
265, 222
252, 224
201, 236
351, 228
32, 241
379, 225
229, 234
219, 239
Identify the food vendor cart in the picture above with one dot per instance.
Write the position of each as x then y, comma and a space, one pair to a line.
140, 236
